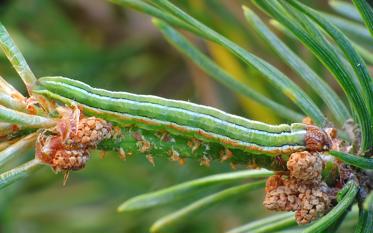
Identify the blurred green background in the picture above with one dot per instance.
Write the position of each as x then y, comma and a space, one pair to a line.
119, 49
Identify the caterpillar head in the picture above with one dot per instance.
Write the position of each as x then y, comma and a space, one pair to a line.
317, 139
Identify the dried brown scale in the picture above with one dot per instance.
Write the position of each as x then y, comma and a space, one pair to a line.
137, 136
194, 144
122, 154
165, 137
336, 143
66, 160
332, 132
305, 166
225, 155
90, 132
205, 161
150, 159
174, 155
144, 146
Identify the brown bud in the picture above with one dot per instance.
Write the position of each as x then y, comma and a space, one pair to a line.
281, 198
91, 131
66, 160
67, 148
281, 194
314, 203
305, 166
309, 200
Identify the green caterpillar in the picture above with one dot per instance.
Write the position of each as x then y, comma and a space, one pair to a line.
183, 118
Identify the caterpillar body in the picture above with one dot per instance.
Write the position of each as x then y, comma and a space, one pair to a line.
184, 118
